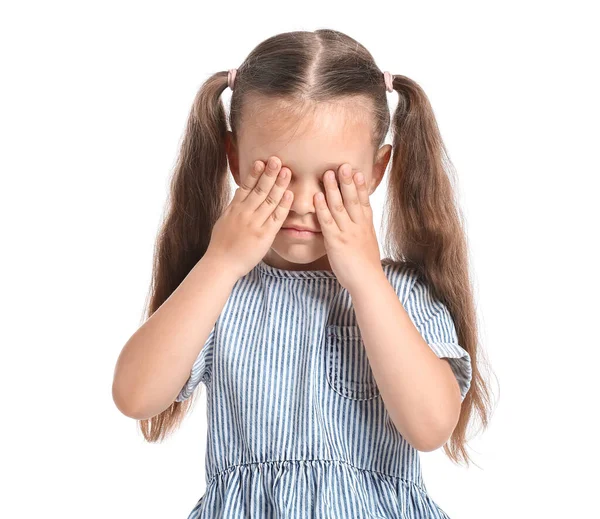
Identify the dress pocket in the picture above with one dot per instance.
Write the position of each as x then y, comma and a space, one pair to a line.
347, 365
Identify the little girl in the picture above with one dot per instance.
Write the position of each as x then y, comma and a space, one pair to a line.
327, 369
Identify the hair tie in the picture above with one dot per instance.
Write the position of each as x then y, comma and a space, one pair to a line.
231, 77
389, 81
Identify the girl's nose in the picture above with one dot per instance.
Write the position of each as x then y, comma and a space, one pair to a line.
304, 196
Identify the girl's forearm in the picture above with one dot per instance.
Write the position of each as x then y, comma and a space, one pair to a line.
156, 361
418, 388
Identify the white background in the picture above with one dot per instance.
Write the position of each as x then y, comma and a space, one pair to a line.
94, 98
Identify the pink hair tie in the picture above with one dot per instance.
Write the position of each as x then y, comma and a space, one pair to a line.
231, 77
389, 81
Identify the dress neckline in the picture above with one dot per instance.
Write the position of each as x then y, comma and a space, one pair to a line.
306, 274
294, 274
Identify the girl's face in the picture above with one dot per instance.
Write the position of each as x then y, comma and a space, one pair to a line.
309, 145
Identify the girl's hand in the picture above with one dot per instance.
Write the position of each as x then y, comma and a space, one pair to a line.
247, 228
346, 221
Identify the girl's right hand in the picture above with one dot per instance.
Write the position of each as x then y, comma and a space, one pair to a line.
245, 231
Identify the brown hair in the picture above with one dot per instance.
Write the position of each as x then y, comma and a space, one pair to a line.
424, 227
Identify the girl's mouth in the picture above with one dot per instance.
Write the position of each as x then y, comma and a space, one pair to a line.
295, 233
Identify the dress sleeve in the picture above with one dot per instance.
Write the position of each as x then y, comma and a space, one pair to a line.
433, 320
201, 369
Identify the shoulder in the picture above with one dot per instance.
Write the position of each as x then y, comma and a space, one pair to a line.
417, 296
403, 276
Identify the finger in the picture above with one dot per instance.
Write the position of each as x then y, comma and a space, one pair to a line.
349, 194
363, 193
279, 215
335, 202
248, 183
273, 198
328, 225
261, 189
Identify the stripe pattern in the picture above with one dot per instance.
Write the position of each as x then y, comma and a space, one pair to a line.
296, 425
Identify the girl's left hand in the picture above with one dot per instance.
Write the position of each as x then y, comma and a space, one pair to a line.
346, 221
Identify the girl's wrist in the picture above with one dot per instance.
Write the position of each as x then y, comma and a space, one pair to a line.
221, 263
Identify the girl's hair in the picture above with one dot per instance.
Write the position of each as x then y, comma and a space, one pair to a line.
424, 223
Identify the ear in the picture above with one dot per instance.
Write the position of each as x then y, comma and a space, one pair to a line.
379, 166
232, 156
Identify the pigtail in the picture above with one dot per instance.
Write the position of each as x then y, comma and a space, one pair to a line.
424, 229
199, 192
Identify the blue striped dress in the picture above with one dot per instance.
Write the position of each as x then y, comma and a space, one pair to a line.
296, 425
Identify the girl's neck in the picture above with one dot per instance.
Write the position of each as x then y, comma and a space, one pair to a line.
276, 261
